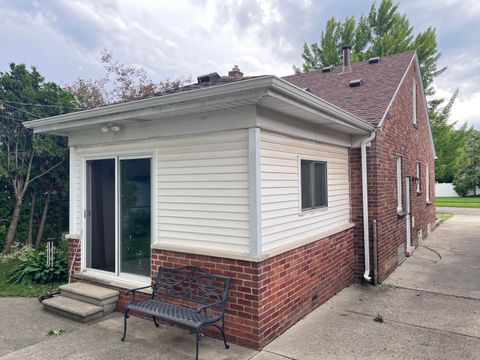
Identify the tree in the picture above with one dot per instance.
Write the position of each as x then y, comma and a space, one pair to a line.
384, 31
120, 83
26, 157
449, 141
468, 175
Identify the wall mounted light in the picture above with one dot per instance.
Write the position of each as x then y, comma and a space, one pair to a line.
110, 128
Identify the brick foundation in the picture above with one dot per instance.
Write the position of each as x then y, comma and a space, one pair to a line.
268, 297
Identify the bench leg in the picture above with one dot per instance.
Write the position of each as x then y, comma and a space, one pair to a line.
155, 321
223, 334
125, 317
198, 336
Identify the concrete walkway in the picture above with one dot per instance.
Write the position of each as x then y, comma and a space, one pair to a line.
430, 308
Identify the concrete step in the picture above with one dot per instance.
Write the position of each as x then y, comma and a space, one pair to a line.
95, 295
73, 309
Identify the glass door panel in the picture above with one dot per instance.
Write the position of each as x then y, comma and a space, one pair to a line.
135, 216
100, 215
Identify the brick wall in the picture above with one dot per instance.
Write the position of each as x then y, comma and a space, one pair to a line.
268, 297
398, 136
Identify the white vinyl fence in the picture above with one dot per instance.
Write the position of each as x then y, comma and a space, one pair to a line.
447, 190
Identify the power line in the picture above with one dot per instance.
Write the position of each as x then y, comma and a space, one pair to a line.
25, 111
32, 104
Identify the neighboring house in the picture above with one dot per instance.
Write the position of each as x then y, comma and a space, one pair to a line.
257, 178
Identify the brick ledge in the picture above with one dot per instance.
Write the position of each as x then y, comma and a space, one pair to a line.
246, 257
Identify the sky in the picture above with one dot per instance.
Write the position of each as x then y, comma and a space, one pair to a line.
170, 39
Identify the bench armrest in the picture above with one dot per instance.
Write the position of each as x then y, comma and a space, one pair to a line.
134, 291
205, 307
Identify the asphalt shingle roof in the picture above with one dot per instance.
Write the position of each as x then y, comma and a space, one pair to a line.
368, 101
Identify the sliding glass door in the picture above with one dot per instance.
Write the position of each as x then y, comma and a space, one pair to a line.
118, 216
135, 216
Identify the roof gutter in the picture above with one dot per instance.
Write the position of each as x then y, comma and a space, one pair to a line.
248, 88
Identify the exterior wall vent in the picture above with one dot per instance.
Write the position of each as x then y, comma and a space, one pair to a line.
355, 83
208, 78
374, 60
327, 68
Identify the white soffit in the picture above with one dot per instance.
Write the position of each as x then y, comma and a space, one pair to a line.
267, 91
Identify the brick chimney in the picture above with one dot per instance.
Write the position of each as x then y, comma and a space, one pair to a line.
346, 58
235, 72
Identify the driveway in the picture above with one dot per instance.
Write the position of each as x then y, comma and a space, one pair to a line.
430, 307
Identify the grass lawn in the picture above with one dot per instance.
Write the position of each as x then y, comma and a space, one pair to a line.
470, 202
444, 216
7, 289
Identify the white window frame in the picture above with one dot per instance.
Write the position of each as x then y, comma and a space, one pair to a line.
427, 183
414, 103
399, 184
419, 182
312, 209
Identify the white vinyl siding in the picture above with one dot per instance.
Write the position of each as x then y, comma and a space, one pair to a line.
202, 192
399, 184
283, 222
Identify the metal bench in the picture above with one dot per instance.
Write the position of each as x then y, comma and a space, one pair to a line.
206, 292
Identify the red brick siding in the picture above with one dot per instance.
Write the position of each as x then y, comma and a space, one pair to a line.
74, 254
268, 297
397, 136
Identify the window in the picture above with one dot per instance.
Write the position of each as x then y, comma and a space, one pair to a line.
313, 184
414, 103
399, 184
419, 177
427, 183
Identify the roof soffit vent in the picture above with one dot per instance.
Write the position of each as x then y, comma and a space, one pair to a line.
208, 78
355, 83
374, 60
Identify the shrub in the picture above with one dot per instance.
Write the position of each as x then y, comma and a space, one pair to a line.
33, 268
17, 252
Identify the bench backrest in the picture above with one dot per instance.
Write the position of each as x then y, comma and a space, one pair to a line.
192, 283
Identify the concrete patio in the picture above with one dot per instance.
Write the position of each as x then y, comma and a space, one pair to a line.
430, 309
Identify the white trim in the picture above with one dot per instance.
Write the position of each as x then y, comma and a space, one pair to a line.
253, 90
72, 198
427, 183
380, 124
115, 155
399, 184
414, 102
247, 257
254, 185
419, 177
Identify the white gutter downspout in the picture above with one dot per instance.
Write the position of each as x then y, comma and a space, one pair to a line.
366, 240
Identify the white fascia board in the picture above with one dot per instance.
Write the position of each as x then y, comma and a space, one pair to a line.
254, 89
337, 114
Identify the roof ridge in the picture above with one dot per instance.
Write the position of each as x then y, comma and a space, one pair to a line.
355, 64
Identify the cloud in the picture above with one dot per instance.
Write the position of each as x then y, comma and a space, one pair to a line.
181, 38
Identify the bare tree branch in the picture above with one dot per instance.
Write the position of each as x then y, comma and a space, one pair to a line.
44, 173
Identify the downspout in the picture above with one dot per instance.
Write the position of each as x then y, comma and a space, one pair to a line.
366, 240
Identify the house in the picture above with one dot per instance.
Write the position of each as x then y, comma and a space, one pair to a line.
267, 180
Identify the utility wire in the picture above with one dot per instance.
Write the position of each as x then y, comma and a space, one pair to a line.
32, 104
25, 111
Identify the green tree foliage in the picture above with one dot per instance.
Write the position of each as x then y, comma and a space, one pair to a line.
449, 141
30, 161
383, 31
468, 175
